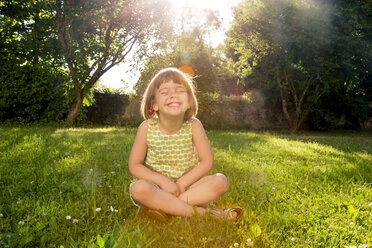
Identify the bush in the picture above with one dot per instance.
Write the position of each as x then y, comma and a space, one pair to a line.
222, 112
33, 93
108, 108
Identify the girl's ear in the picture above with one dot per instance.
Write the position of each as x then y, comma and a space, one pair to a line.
155, 106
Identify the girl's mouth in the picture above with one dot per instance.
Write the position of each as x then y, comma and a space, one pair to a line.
174, 104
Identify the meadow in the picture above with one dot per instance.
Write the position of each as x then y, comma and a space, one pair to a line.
68, 187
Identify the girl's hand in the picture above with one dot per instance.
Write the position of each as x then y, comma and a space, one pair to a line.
181, 187
171, 187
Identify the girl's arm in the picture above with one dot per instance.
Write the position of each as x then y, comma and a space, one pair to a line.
137, 158
203, 147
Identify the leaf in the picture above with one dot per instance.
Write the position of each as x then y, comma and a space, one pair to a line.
255, 230
100, 241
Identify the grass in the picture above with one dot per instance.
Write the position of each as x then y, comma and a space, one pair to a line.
69, 188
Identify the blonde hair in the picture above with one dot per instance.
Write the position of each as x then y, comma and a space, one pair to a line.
163, 76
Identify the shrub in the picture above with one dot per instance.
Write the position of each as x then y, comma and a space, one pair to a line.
221, 112
33, 93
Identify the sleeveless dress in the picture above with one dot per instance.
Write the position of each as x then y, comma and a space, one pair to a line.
170, 155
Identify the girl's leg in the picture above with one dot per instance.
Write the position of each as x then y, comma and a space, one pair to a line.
205, 190
153, 197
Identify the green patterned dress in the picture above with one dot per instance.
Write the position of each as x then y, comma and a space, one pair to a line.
170, 155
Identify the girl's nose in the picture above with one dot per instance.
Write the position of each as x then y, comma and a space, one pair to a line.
173, 93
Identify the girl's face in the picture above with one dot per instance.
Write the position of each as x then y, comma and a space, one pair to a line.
171, 100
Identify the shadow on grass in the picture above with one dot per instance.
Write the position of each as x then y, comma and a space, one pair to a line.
349, 160
196, 231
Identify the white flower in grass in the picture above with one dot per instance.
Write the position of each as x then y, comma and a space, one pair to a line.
296, 183
68, 217
249, 243
293, 239
1, 215
75, 221
21, 223
352, 246
98, 209
362, 246
113, 210
273, 188
370, 204
352, 223
359, 188
91, 170
32, 182
236, 244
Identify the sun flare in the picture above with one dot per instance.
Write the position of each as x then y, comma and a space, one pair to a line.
204, 4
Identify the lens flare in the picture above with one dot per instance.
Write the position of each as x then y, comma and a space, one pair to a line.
185, 64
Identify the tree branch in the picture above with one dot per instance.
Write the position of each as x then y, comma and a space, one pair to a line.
60, 23
284, 103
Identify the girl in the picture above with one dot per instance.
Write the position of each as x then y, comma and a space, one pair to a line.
171, 154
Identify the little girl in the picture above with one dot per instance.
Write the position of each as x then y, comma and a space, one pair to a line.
171, 155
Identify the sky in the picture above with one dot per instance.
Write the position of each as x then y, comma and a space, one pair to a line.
114, 77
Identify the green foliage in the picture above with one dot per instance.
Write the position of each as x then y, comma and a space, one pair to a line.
108, 108
85, 37
97, 35
186, 50
300, 50
210, 112
27, 33
33, 93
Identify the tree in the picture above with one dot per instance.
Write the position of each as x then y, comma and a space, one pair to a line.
279, 43
289, 47
187, 50
33, 85
96, 35
27, 35
347, 103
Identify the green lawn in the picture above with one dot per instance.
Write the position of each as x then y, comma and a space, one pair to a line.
69, 188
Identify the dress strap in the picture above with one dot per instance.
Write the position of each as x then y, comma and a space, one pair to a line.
188, 125
152, 124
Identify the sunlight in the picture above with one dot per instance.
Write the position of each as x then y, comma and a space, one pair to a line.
114, 76
221, 7
223, 13
202, 4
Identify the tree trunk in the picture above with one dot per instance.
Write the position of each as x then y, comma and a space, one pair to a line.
74, 111
361, 123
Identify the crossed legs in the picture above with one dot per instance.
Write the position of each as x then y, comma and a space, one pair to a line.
205, 190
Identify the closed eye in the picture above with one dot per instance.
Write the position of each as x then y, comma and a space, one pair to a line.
181, 89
